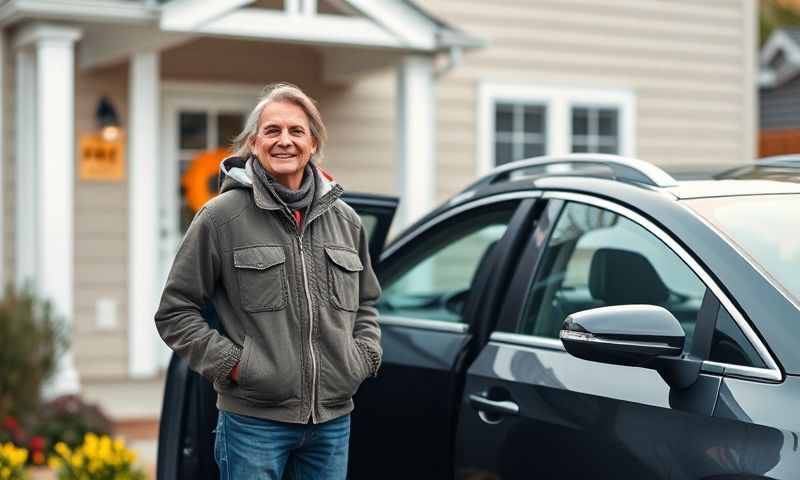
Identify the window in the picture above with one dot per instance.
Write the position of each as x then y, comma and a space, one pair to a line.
198, 132
519, 131
596, 258
529, 120
432, 278
595, 130
729, 344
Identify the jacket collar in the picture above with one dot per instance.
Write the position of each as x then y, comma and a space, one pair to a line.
326, 193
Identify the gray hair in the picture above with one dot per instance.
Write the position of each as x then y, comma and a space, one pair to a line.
282, 92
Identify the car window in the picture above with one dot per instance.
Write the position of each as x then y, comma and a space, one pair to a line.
432, 278
597, 258
729, 344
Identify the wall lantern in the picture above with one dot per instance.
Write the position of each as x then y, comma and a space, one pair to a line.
107, 120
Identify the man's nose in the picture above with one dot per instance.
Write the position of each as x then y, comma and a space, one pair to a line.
285, 138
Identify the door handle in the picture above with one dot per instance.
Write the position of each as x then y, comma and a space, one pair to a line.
500, 407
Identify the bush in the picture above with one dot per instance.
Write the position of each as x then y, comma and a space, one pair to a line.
31, 339
68, 419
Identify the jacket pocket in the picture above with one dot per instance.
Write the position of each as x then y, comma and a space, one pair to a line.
263, 379
344, 266
342, 374
261, 272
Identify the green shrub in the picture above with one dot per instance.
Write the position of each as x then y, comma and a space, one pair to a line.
31, 339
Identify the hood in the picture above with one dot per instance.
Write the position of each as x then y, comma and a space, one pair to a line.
237, 172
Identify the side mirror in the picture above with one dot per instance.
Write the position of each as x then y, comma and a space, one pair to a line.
633, 335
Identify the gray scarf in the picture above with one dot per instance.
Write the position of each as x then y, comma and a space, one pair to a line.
300, 199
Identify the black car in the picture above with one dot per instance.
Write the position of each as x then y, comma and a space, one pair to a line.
679, 357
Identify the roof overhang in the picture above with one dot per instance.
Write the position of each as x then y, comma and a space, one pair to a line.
779, 43
385, 24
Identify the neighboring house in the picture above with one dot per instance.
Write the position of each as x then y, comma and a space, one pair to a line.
779, 93
420, 98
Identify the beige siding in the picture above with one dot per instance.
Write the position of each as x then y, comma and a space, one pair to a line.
101, 238
687, 64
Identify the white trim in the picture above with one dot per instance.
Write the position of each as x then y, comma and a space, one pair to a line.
187, 15
292, 7
109, 44
318, 29
78, 10
558, 101
143, 214
415, 29
25, 171
416, 138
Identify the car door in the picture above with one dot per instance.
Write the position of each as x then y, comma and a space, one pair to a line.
530, 410
189, 413
433, 280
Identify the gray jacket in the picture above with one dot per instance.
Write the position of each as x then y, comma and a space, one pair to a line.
297, 308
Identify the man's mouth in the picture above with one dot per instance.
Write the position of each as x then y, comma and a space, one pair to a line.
283, 155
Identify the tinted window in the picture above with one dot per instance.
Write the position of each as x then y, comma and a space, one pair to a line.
596, 258
432, 278
730, 345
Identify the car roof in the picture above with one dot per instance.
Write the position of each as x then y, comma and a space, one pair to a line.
768, 176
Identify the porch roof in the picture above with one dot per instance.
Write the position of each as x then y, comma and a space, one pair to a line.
385, 24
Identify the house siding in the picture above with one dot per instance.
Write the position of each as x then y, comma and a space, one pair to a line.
780, 106
688, 65
101, 237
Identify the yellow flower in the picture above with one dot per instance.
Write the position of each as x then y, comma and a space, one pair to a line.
63, 450
54, 463
5, 472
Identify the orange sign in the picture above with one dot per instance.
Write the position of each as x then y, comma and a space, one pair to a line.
101, 160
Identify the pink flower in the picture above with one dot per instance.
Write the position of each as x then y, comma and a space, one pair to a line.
10, 423
36, 443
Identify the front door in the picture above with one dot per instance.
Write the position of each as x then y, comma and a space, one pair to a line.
531, 410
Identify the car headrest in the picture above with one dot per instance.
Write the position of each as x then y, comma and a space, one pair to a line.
621, 277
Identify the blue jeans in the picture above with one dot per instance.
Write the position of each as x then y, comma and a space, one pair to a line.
248, 448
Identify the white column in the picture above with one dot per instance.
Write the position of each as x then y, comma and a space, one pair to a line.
25, 209
416, 122
54, 177
143, 194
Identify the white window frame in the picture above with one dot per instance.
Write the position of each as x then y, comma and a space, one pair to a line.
559, 102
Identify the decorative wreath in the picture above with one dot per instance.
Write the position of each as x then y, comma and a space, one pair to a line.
199, 182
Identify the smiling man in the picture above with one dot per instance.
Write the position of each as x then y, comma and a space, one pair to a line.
286, 265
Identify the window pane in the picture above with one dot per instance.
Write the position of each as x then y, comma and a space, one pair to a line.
193, 128
504, 117
229, 125
580, 121
534, 120
533, 150
589, 261
607, 149
432, 279
502, 152
729, 344
579, 148
607, 122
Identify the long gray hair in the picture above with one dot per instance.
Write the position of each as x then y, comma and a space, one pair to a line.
282, 92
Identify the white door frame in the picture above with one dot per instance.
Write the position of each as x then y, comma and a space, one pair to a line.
177, 96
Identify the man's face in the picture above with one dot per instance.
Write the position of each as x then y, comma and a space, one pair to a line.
284, 144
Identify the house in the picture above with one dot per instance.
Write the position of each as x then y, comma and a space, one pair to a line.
419, 97
779, 93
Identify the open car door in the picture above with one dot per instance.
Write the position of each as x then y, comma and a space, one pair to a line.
189, 412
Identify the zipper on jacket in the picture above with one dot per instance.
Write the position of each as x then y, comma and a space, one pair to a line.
310, 329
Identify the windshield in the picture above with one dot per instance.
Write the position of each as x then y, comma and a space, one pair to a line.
765, 227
